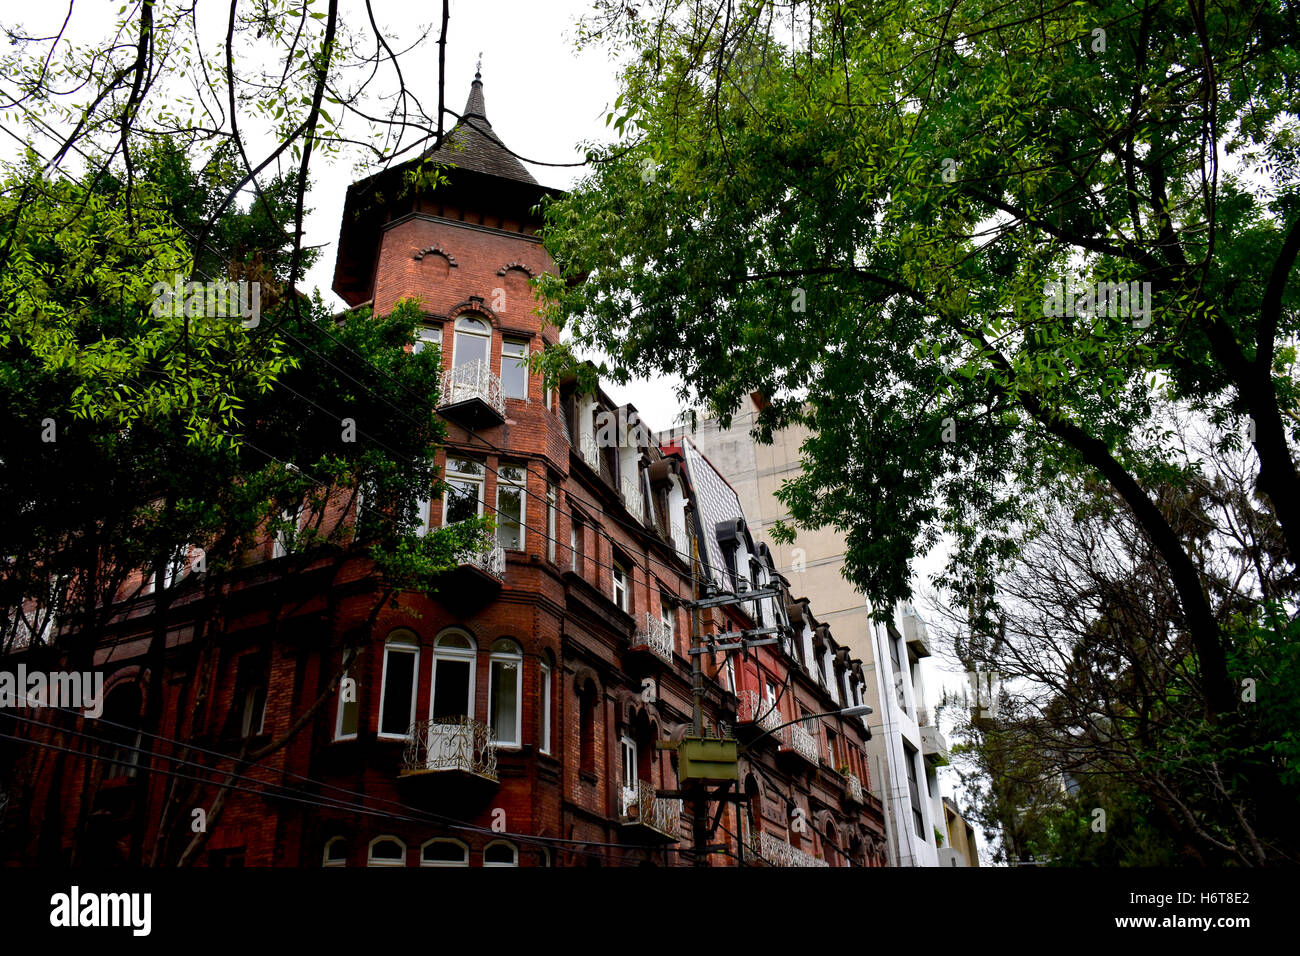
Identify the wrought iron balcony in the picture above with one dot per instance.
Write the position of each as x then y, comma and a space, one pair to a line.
754, 710
652, 637
454, 744
489, 557
853, 788
632, 498
646, 810
590, 451
681, 544
473, 393
799, 741
779, 853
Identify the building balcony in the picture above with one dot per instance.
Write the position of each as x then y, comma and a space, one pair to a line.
777, 852
477, 577
915, 633
799, 743
590, 451
653, 638
647, 815
451, 748
756, 712
471, 395
681, 543
933, 746
632, 498
853, 788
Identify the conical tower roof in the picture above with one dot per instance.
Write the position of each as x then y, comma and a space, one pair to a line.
472, 144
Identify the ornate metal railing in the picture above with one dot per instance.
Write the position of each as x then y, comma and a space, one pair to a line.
801, 742
452, 743
643, 805
488, 557
753, 709
654, 637
779, 853
853, 787
681, 544
632, 497
590, 451
472, 380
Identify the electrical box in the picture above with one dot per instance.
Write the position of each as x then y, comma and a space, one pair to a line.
707, 760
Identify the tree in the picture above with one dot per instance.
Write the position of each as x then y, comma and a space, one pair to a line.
323, 407
862, 210
1096, 707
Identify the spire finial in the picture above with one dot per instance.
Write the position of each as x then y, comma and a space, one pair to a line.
478, 67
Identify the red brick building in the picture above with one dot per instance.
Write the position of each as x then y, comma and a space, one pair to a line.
512, 719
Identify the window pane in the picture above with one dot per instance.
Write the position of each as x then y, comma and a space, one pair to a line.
471, 347
462, 500
499, 854
347, 715
510, 502
399, 675
514, 369
505, 700
444, 853
450, 689
426, 337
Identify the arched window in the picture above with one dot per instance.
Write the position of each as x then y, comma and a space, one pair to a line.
832, 854
122, 735
752, 812
473, 341
454, 657
386, 851
336, 852
505, 692
500, 853
444, 852
397, 692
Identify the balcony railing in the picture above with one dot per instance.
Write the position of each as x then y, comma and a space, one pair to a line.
652, 636
454, 743
472, 381
779, 853
590, 451
647, 808
489, 557
681, 544
632, 497
853, 787
754, 710
797, 740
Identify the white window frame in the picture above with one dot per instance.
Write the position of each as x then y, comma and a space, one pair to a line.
499, 655
508, 341
400, 646
522, 484
464, 850
544, 745
461, 329
426, 335
338, 712
621, 582
668, 618
628, 770
456, 474
514, 850
442, 652
325, 853
552, 521
293, 514
386, 838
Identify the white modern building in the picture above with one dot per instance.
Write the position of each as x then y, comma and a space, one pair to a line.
906, 748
